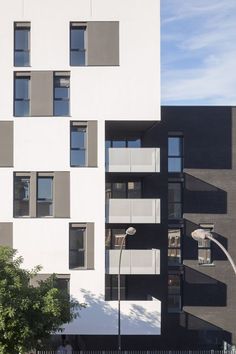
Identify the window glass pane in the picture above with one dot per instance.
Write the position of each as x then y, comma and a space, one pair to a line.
174, 192
62, 92
21, 196
175, 211
21, 108
134, 143
174, 146
78, 158
78, 137
174, 256
173, 284
77, 37
118, 143
22, 39
77, 58
204, 256
118, 190
62, 81
44, 208
174, 238
174, 164
21, 58
174, 303
44, 190
77, 247
134, 190
21, 88
61, 108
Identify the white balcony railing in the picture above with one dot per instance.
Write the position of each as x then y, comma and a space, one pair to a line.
133, 160
133, 261
145, 211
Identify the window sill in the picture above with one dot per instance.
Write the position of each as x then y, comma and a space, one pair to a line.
207, 265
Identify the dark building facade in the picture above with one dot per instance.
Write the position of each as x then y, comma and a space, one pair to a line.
197, 189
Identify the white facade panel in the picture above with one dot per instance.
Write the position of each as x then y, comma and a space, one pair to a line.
41, 144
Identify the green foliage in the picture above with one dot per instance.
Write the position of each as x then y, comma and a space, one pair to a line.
29, 314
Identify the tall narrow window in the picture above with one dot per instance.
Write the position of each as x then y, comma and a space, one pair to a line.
44, 196
21, 95
204, 246
77, 44
21, 195
174, 246
174, 292
174, 200
77, 249
61, 94
175, 154
78, 145
22, 44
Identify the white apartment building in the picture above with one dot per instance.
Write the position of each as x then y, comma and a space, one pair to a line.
77, 74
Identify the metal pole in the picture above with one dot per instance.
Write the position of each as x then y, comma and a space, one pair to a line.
224, 250
121, 248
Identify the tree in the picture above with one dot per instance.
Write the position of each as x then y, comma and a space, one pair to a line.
29, 314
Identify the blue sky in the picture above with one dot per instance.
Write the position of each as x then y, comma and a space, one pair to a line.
198, 52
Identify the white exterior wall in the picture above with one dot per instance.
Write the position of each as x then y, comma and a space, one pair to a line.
126, 92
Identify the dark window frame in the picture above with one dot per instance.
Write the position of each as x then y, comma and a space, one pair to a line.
205, 245
56, 76
176, 292
16, 199
22, 26
180, 155
83, 250
75, 126
111, 238
111, 287
110, 191
79, 26
41, 201
176, 248
21, 76
180, 202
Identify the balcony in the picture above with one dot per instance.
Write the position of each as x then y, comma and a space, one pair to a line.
133, 261
133, 160
139, 211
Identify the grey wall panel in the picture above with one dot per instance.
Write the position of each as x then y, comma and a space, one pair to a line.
62, 194
103, 43
6, 144
90, 245
41, 93
6, 234
92, 143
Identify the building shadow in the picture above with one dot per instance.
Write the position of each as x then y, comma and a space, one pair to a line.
203, 198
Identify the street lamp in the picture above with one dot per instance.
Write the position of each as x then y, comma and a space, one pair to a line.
130, 231
201, 234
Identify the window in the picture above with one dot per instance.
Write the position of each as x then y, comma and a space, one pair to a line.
132, 142
114, 238
77, 241
78, 145
111, 287
44, 196
81, 246
132, 190
174, 292
21, 95
77, 44
22, 44
174, 200
61, 94
174, 246
175, 154
204, 246
21, 195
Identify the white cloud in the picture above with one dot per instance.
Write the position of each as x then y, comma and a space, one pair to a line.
198, 51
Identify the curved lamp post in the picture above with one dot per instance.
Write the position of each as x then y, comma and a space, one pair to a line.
130, 231
201, 234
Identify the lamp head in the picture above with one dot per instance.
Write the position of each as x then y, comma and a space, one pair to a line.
200, 234
130, 231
